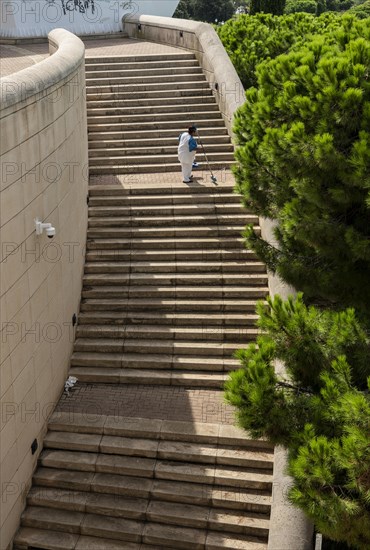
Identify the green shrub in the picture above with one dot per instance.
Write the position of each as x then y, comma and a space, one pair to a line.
295, 6
321, 413
304, 160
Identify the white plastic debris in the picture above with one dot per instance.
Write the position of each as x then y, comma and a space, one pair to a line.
69, 383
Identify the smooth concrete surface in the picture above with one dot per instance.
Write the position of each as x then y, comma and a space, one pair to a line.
202, 40
44, 167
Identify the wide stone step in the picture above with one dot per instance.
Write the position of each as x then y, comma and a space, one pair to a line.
181, 231
213, 208
168, 347
176, 188
169, 305
139, 58
232, 498
186, 515
165, 318
150, 361
111, 375
191, 75
112, 101
209, 218
156, 150
153, 86
174, 201
199, 112
131, 487
250, 477
105, 168
164, 279
206, 333
111, 140
172, 267
175, 125
200, 92
169, 430
130, 531
208, 132
129, 64
205, 258
174, 293
29, 538
174, 245
84, 524
164, 450
143, 72
125, 110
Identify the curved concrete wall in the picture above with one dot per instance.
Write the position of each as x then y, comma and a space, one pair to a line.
289, 528
44, 169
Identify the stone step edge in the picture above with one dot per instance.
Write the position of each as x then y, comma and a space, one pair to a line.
145, 428
39, 497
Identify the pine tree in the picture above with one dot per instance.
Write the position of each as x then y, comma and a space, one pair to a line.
185, 9
267, 6
249, 40
321, 7
320, 411
304, 160
217, 10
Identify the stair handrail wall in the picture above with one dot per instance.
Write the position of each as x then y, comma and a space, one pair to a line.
289, 527
44, 165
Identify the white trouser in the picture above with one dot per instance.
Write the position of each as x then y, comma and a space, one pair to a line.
187, 165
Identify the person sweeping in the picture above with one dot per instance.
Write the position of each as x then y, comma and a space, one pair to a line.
186, 153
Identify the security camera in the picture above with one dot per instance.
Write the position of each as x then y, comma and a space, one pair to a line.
49, 229
50, 232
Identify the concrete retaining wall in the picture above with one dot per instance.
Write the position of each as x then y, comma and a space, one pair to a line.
289, 527
44, 168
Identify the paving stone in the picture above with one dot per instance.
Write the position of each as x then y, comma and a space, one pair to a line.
93, 543
128, 446
48, 540
183, 471
115, 528
181, 537
52, 519
125, 465
186, 431
77, 422
174, 450
116, 506
72, 441
121, 485
63, 479
178, 514
69, 460
216, 541
132, 427
57, 498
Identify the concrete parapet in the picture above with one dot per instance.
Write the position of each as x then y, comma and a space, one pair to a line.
44, 167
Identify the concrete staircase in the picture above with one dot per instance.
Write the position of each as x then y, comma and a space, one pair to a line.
169, 289
131, 483
169, 294
138, 106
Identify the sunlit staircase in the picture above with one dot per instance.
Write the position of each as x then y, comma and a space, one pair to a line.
169, 294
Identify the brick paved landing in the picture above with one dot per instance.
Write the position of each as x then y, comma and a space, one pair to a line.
162, 402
